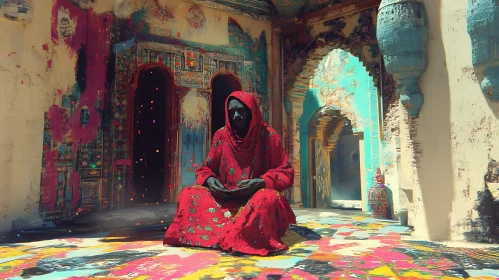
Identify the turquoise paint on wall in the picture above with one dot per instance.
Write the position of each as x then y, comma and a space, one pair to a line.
342, 83
194, 151
311, 104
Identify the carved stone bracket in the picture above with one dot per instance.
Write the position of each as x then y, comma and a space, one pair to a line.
482, 19
403, 34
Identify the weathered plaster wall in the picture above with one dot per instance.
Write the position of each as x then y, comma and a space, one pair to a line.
456, 135
193, 144
42, 77
34, 73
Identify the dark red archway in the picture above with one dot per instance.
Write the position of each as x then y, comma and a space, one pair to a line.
152, 82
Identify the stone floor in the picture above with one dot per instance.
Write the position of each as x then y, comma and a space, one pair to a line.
324, 245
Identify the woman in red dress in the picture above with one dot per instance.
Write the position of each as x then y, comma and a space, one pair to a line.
237, 204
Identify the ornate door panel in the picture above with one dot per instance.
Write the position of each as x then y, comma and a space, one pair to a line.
322, 176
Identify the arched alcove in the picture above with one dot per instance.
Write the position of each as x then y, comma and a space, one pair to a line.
152, 116
223, 84
341, 83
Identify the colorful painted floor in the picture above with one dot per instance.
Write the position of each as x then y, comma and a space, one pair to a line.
324, 245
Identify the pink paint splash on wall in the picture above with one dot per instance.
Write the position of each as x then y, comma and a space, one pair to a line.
76, 28
59, 122
98, 51
71, 24
50, 181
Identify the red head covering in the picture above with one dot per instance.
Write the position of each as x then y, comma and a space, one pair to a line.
256, 124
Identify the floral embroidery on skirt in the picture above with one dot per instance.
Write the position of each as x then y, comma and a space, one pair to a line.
234, 226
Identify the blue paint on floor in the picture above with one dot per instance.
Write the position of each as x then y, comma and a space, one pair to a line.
279, 263
396, 229
332, 221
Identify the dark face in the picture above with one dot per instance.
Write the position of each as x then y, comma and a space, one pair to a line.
239, 116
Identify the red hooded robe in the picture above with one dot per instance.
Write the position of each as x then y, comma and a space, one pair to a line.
251, 226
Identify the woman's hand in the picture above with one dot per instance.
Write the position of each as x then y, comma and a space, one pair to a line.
248, 187
216, 187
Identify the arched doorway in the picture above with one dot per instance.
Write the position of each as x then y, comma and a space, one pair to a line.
345, 165
353, 93
222, 85
152, 111
334, 163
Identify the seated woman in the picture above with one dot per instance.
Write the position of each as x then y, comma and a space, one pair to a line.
237, 205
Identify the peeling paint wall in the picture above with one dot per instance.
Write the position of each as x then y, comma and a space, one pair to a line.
193, 140
59, 110
456, 135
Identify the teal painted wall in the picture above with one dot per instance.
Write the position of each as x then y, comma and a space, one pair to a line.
311, 104
342, 83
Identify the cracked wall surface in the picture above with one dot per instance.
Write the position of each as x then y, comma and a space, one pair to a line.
457, 133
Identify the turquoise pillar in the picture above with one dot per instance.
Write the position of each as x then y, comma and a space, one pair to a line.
311, 105
483, 28
403, 34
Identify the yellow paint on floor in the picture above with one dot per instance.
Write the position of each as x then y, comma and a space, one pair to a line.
5, 250
383, 271
313, 225
211, 272
423, 248
248, 262
417, 275
45, 252
296, 277
142, 277
11, 264
375, 226
326, 257
250, 269
13, 253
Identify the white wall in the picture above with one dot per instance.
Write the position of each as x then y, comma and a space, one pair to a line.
457, 132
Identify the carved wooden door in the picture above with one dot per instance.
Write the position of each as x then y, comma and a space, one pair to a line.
322, 176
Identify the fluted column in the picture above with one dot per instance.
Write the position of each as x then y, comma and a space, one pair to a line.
403, 34
483, 22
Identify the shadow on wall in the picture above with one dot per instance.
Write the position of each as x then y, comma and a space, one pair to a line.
494, 106
485, 228
435, 167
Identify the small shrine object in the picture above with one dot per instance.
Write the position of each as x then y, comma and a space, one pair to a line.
378, 197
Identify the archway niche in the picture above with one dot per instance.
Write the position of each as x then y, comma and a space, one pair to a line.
345, 166
334, 161
152, 112
341, 83
222, 85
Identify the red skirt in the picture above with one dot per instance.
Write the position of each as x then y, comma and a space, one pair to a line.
253, 226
